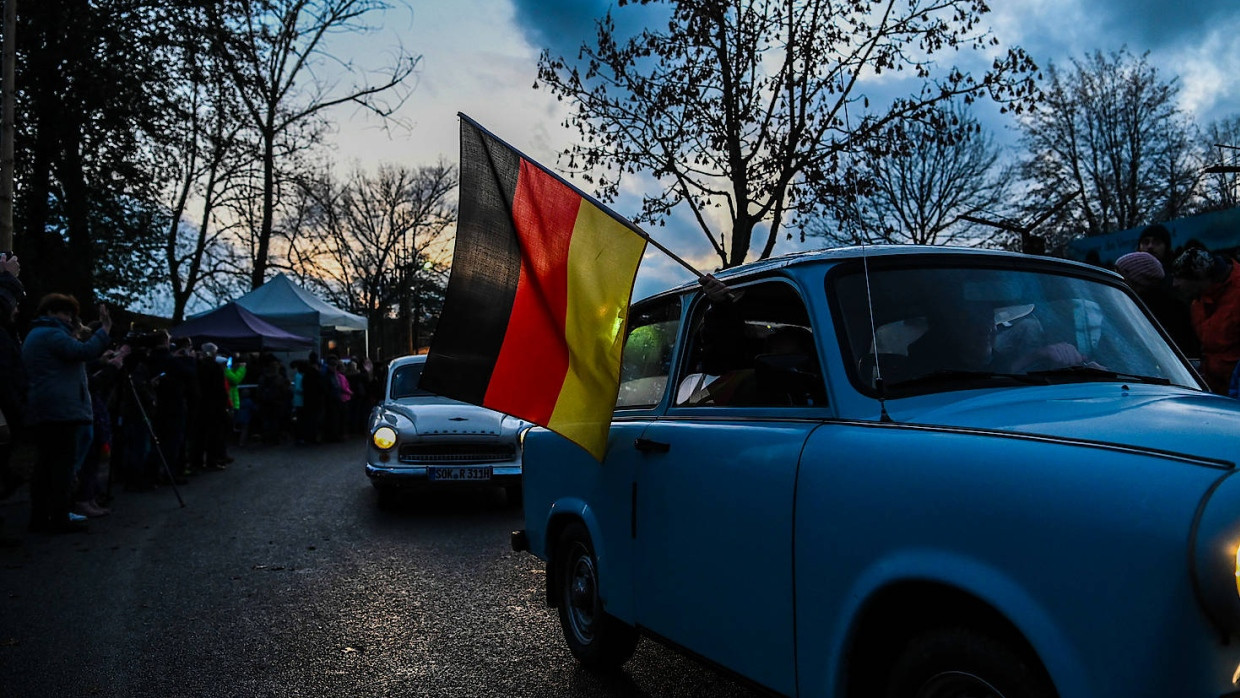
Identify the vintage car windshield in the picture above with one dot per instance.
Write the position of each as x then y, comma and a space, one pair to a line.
405, 382
949, 328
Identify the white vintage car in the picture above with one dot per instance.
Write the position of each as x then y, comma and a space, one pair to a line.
422, 440
907, 473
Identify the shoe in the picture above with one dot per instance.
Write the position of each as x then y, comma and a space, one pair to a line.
217, 466
76, 518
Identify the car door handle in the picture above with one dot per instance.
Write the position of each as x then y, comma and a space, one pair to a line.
651, 446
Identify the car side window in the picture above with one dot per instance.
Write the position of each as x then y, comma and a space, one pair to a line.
647, 356
756, 351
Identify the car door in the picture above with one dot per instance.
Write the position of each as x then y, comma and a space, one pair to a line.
715, 488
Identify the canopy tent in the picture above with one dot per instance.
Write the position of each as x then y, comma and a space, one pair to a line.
236, 329
291, 307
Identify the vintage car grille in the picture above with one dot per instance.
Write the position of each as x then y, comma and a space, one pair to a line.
457, 453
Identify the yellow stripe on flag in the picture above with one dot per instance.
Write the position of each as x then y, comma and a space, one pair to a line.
602, 262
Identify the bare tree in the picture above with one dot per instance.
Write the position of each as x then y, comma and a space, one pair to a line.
379, 244
205, 159
1109, 131
922, 191
276, 55
745, 110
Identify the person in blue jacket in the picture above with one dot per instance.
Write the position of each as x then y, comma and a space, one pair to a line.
58, 408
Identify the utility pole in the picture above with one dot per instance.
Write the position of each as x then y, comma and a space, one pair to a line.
8, 124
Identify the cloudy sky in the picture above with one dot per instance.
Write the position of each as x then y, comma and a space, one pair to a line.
480, 57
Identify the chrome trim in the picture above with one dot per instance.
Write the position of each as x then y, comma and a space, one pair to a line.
1205, 461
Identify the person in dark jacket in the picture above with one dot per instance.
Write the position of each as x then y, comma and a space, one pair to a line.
12, 381
13, 371
314, 395
210, 433
58, 407
171, 380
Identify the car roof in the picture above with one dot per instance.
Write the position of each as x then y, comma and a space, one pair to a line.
406, 360
844, 254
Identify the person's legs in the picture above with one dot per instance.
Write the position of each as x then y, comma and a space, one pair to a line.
137, 450
51, 486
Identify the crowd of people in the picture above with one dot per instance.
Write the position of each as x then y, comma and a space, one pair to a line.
1195, 295
145, 409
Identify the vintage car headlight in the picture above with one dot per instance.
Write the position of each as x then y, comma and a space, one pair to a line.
384, 438
1238, 570
1216, 555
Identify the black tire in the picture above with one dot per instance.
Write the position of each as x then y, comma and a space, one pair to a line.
600, 642
963, 663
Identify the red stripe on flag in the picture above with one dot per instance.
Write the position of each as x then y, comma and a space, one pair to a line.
533, 360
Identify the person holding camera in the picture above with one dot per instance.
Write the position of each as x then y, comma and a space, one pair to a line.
58, 407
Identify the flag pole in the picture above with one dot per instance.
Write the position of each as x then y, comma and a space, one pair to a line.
601, 206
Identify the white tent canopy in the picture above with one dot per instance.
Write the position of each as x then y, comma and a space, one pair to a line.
294, 309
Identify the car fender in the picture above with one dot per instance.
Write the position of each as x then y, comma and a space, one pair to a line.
973, 577
560, 514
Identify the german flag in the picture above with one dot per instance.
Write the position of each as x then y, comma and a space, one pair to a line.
534, 317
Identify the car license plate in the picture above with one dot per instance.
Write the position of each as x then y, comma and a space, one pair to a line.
459, 473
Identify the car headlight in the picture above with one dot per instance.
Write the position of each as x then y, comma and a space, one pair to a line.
383, 438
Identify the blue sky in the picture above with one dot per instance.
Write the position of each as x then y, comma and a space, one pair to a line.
480, 57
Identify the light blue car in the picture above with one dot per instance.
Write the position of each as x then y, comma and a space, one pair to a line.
904, 472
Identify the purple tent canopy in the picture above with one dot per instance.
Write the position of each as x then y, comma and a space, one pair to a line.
236, 329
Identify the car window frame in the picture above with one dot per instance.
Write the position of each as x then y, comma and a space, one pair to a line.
931, 260
679, 299
697, 304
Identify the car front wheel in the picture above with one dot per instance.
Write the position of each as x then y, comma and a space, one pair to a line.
599, 641
963, 663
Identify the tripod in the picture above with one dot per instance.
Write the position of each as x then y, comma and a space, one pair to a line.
154, 439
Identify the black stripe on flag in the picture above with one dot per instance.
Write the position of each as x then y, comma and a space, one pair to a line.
486, 265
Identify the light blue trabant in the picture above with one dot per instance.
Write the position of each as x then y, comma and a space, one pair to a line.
904, 472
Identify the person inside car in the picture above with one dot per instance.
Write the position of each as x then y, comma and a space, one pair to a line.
963, 337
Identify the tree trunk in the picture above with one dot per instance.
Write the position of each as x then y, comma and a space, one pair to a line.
259, 273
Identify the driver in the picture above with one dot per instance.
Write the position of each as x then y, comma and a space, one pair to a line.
962, 337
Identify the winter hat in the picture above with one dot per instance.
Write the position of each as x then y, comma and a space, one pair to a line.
1158, 232
1140, 269
1197, 264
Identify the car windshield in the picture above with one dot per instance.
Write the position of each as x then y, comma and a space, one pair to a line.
941, 328
405, 382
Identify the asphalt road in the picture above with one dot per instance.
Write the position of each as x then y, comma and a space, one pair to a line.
281, 577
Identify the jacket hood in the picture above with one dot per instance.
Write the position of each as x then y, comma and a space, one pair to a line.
1162, 418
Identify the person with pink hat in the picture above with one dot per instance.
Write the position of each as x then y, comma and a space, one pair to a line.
1144, 273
